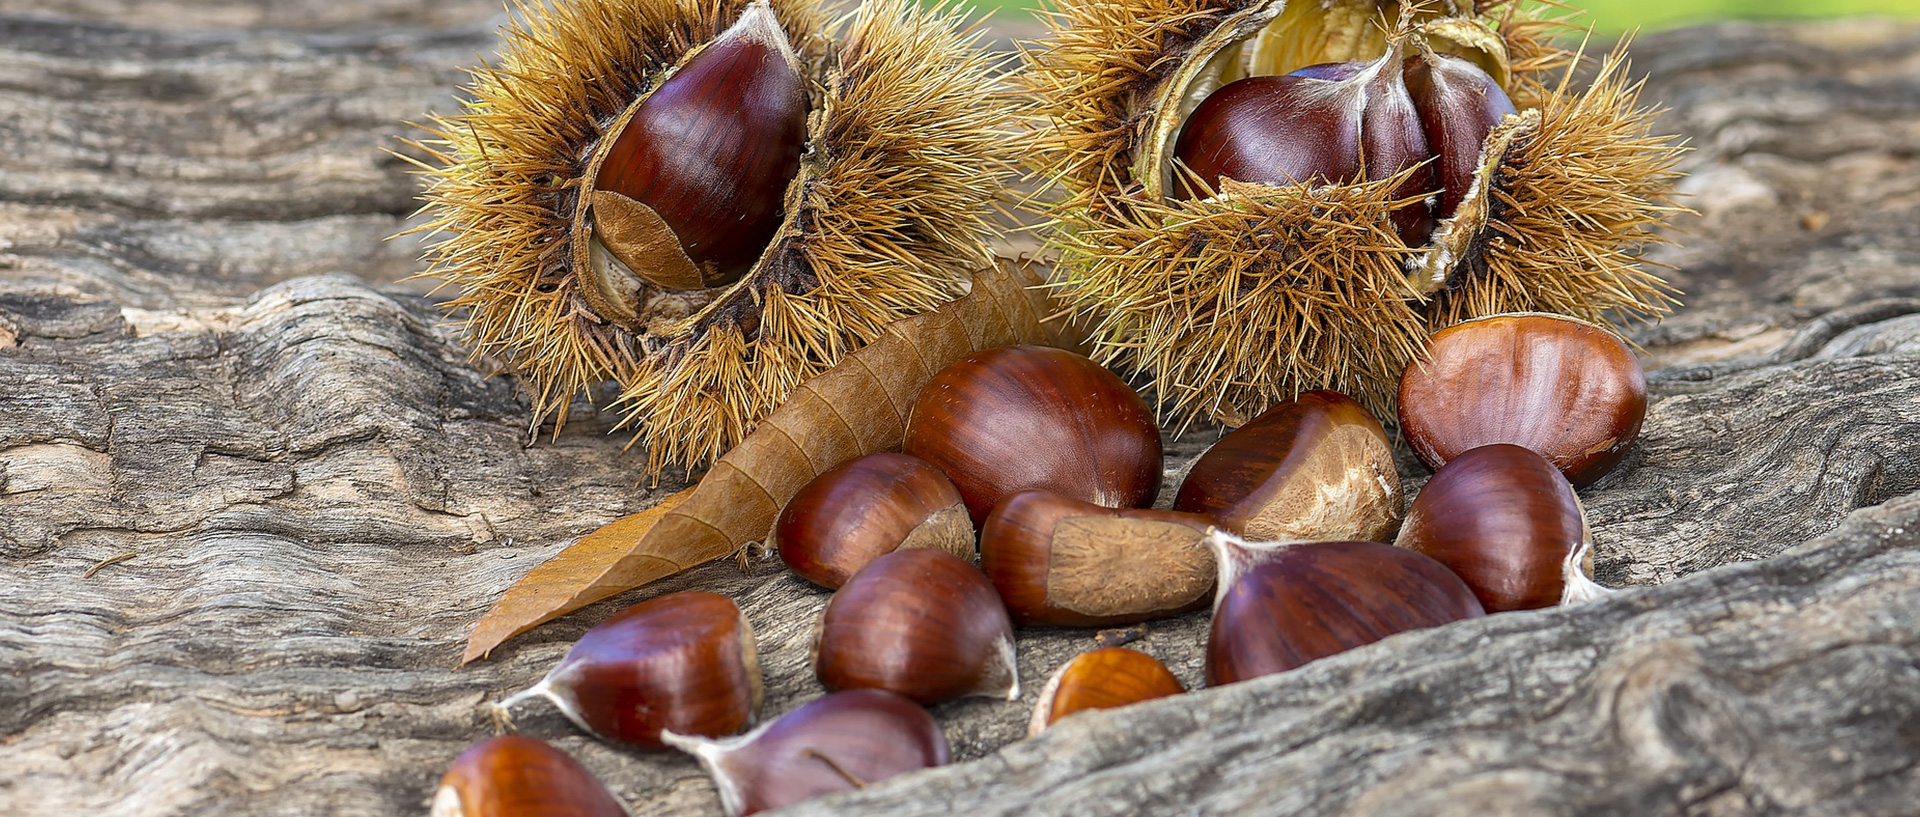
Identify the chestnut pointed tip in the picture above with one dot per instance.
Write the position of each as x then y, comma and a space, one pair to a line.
1579, 587
711, 753
759, 24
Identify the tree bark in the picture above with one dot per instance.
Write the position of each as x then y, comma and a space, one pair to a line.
253, 492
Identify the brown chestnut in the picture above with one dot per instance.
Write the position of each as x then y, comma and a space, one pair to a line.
1284, 604
1102, 679
839, 742
518, 776
1004, 420
922, 623
708, 156
1324, 125
1060, 562
684, 661
1315, 467
1459, 105
1567, 389
1508, 523
866, 508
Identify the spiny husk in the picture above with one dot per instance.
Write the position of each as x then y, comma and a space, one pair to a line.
906, 144
1184, 298
1572, 195
1224, 301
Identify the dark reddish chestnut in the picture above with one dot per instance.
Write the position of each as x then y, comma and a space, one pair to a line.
1060, 562
712, 150
921, 623
1102, 679
1316, 467
684, 661
1281, 605
1459, 105
1508, 523
1571, 391
1327, 124
1004, 420
518, 776
842, 741
866, 508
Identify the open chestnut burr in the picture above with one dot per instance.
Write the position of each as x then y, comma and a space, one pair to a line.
1569, 390
1315, 467
1060, 562
1281, 605
839, 742
1004, 420
866, 508
1505, 520
921, 623
1102, 679
514, 776
684, 661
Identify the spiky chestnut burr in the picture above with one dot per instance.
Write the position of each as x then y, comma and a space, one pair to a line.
571, 276
1230, 304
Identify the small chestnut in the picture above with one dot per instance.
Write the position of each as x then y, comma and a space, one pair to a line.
1567, 389
684, 661
1459, 105
922, 623
1004, 420
866, 508
519, 776
1102, 679
1315, 467
1508, 523
1060, 562
842, 741
1284, 604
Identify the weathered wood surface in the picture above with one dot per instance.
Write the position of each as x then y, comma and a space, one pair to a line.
208, 360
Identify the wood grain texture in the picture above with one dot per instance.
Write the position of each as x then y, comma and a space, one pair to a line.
209, 360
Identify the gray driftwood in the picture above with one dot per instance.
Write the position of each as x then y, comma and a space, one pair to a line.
252, 494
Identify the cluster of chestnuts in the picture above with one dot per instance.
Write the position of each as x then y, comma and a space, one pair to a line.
1292, 525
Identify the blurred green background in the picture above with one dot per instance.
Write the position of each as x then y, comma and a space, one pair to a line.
1623, 15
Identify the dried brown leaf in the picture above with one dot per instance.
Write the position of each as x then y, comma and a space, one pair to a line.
858, 407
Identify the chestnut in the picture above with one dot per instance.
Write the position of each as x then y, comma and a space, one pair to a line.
868, 507
1330, 124
1060, 562
842, 741
1506, 521
1283, 604
1004, 420
922, 623
684, 661
1569, 390
709, 155
1315, 467
1459, 105
1102, 679
519, 776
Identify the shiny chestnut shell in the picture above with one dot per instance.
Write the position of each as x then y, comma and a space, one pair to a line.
519, 776
1506, 521
1459, 105
921, 623
1569, 390
714, 148
839, 742
866, 508
1300, 602
1060, 562
1005, 420
1105, 678
1315, 467
684, 661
